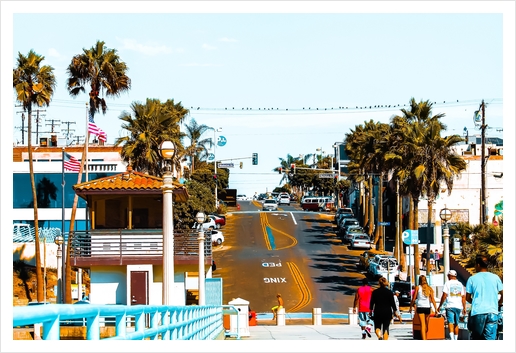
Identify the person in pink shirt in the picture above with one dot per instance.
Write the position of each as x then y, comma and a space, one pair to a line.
361, 306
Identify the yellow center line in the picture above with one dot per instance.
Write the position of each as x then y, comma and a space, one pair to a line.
306, 295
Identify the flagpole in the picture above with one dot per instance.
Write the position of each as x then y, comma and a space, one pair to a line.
63, 275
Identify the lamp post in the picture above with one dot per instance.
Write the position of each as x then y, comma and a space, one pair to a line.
200, 217
445, 216
59, 240
215, 163
167, 150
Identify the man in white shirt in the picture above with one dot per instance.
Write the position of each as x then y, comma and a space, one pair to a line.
454, 295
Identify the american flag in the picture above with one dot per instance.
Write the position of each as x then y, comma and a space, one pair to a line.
71, 163
94, 129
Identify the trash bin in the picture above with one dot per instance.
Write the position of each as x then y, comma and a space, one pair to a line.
239, 323
316, 316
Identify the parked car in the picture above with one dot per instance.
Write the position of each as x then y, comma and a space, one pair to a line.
343, 216
360, 240
383, 266
284, 199
405, 289
342, 210
241, 198
219, 221
209, 223
269, 205
317, 204
348, 222
366, 257
348, 232
217, 237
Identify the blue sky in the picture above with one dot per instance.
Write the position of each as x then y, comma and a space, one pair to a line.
285, 68
290, 72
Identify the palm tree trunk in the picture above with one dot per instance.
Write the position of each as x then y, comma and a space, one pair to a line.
371, 208
399, 232
415, 226
68, 266
39, 275
379, 230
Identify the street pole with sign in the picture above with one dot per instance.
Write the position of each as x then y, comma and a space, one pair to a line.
445, 216
411, 237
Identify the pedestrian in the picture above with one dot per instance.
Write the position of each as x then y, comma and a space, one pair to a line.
381, 308
397, 313
484, 290
423, 260
431, 267
361, 306
423, 298
277, 307
454, 301
437, 258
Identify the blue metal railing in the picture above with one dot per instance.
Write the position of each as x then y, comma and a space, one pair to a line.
164, 322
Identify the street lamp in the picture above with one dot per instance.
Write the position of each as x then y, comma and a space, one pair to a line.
445, 216
167, 150
215, 163
59, 240
200, 217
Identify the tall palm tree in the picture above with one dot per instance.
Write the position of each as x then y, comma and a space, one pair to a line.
149, 125
102, 70
34, 85
198, 147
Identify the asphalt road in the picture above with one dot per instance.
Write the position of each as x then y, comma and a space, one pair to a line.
290, 252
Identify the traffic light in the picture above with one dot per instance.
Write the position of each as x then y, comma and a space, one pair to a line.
280, 170
241, 165
255, 158
293, 168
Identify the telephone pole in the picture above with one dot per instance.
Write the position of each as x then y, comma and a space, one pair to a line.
38, 124
68, 133
22, 127
52, 124
483, 166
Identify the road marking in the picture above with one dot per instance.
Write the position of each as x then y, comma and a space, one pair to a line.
293, 219
306, 295
269, 237
275, 280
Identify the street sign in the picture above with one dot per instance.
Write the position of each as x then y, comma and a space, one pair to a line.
221, 141
326, 175
384, 223
410, 237
226, 165
211, 157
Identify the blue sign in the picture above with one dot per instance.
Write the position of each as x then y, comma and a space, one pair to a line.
384, 223
221, 141
410, 237
211, 157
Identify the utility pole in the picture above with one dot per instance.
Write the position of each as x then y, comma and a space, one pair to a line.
22, 127
483, 167
68, 130
37, 124
53, 124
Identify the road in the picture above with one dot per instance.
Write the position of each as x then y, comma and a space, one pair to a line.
290, 252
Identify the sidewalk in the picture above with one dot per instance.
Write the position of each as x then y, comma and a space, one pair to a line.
331, 329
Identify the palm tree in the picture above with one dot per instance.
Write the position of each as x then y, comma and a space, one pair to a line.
34, 85
429, 161
149, 125
197, 146
104, 72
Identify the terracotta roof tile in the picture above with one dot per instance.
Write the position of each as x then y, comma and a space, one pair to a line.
127, 182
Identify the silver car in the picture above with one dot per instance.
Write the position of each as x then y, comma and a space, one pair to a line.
269, 205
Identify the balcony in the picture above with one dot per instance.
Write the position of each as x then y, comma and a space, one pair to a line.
135, 246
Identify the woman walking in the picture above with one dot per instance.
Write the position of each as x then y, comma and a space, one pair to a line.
382, 307
423, 298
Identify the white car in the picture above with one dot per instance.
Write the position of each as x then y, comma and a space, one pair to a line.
217, 237
284, 199
241, 198
382, 265
269, 205
209, 223
360, 240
